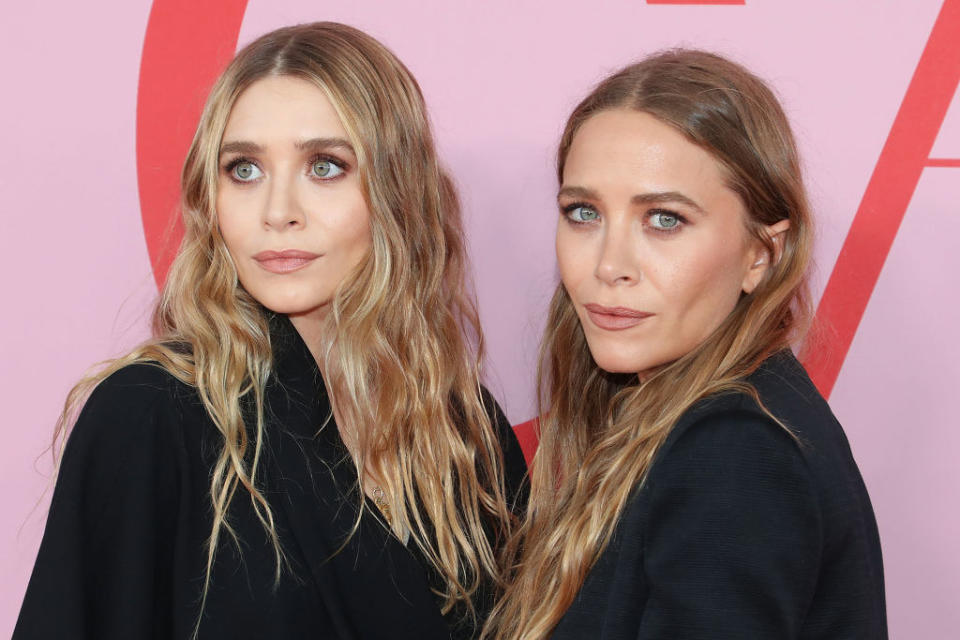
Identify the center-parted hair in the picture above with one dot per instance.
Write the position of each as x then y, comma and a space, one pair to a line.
600, 432
404, 370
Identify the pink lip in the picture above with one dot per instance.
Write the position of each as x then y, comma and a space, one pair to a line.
615, 318
284, 261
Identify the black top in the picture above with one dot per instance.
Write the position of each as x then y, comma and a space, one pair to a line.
741, 532
123, 555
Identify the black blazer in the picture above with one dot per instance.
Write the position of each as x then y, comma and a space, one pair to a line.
741, 532
123, 555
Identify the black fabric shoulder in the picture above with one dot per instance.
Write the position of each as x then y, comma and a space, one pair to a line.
792, 406
744, 528
138, 383
113, 515
127, 409
729, 417
131, 422
735, 443
733, 525
137, 373
123, 406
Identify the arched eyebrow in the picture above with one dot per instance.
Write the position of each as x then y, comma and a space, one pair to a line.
323, 144
240, 146
664, 197
578, 193
313, 144
653, 197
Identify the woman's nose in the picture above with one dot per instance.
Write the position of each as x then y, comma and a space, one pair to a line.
283, 209
618, 263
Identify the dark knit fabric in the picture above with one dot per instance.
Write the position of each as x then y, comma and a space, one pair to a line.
743, 531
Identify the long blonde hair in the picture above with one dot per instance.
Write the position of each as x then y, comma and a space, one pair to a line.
600, 432
408, 342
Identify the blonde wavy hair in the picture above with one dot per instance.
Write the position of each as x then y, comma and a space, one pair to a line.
405, 369
600, 432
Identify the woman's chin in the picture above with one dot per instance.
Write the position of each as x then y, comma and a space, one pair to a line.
615, 364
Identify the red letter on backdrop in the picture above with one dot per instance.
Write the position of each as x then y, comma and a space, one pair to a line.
895, 177
888, 194
186, 46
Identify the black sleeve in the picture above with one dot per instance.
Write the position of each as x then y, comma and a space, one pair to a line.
732, 543
514, 464
103, 570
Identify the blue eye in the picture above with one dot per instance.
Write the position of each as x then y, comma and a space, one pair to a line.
664, 220
245, 171
325, 169
582, 213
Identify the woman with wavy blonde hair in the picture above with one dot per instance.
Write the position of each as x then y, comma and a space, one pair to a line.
303, 450
690, 481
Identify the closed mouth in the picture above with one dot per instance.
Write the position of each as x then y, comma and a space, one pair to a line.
615, 318
285, 261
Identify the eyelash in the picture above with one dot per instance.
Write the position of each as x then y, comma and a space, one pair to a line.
320, 157
568, 210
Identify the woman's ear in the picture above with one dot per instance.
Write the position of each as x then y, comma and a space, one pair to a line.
759, 257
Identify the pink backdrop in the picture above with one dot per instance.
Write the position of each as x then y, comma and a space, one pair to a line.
500, 77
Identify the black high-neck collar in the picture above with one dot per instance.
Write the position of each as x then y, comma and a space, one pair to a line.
315, 482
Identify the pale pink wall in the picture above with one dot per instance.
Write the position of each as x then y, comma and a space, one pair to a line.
74, 274
500, 78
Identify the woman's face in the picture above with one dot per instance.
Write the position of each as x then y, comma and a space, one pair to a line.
289, 202
652, 245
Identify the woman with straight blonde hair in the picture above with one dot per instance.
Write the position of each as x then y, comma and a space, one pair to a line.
303, 449
690, 481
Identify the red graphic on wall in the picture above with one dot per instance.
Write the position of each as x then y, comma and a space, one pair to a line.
188, 43
186, 46
902, 160
895, 177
